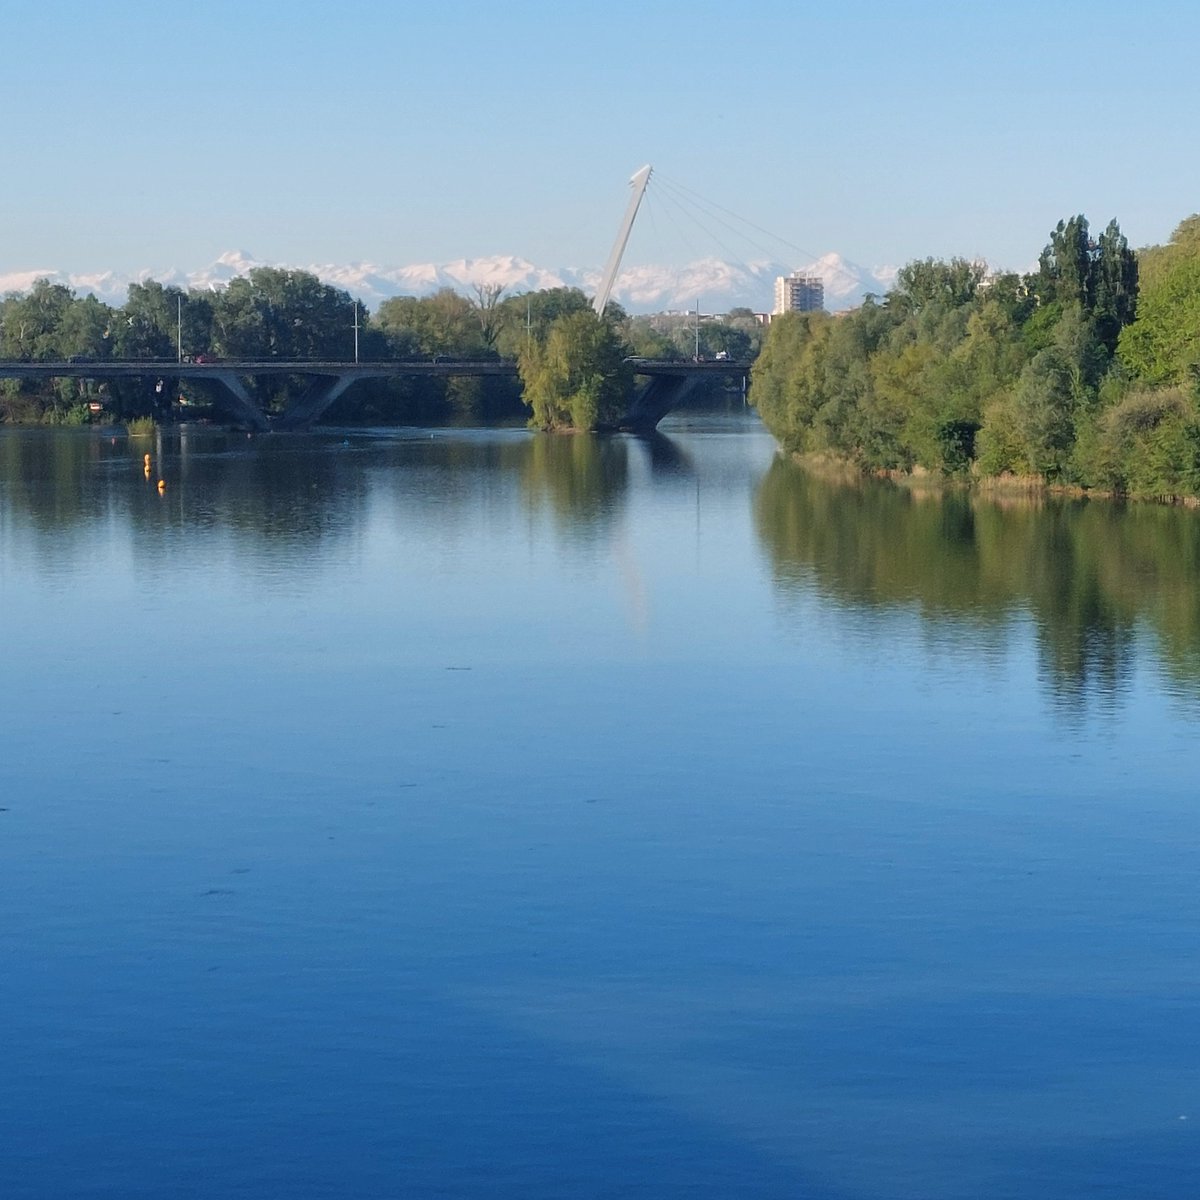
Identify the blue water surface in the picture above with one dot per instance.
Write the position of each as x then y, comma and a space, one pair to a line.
485, 814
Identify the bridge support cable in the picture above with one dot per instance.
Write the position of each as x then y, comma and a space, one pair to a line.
680, 211
690, 212
704, 220
718, 212
658, 202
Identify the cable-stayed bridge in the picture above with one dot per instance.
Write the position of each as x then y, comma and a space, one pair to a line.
660, 386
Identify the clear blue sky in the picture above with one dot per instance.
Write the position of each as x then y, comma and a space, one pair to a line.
141, 134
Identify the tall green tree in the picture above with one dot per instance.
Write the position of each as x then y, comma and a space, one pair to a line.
788, 379
1064, 268
274, 313
85, 330
1115, 288
444, 323
529, 316
577, 377
1162, 346
932, 281
146, 324
31, 324
1100, 276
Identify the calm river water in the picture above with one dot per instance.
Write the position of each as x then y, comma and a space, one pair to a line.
478, 814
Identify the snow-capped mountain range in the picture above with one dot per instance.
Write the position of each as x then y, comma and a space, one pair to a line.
716, 285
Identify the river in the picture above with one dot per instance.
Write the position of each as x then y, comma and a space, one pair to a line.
478, 813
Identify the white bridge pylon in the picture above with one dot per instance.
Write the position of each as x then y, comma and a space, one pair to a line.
638, 183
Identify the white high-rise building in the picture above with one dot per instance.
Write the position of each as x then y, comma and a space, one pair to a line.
799, 293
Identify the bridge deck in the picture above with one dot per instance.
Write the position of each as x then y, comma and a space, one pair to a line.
142, 367
665, 385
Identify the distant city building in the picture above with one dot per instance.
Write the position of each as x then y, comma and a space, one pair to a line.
799, 293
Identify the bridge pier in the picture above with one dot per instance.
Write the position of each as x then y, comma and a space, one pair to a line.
239, 401
317, 398
654, 399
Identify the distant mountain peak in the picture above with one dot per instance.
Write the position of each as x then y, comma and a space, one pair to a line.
715, 284
237, 258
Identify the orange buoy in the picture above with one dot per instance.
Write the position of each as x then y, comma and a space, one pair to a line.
162, 486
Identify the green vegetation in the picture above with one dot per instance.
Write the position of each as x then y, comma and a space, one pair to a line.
1068, 375
570, 362
576, 376
679, 336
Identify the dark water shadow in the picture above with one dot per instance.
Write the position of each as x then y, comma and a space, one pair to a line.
667, 458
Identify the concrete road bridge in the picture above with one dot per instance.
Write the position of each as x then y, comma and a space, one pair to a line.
660, 384
664, 384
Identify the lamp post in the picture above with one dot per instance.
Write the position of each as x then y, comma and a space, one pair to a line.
179, 326
356, 331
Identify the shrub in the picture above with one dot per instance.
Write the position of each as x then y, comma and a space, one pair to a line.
1000, 443
1147, 445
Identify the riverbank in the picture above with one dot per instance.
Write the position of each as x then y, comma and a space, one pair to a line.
1005, 485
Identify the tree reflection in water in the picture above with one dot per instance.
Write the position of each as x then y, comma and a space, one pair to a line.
1092, 575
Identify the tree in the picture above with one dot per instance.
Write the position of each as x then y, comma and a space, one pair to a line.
1100, 276
531, 315
1045, 405
1064, 268
577, 377
444, 323
1147, 444
275, 313
1184, 243
1115, 289
85, 329
1163, 344
146, 325
647, 342
491, 316
31, 323
32, 328
788, 379
933, 281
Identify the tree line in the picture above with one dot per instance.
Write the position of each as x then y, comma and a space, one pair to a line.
572, 369
1084, 372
